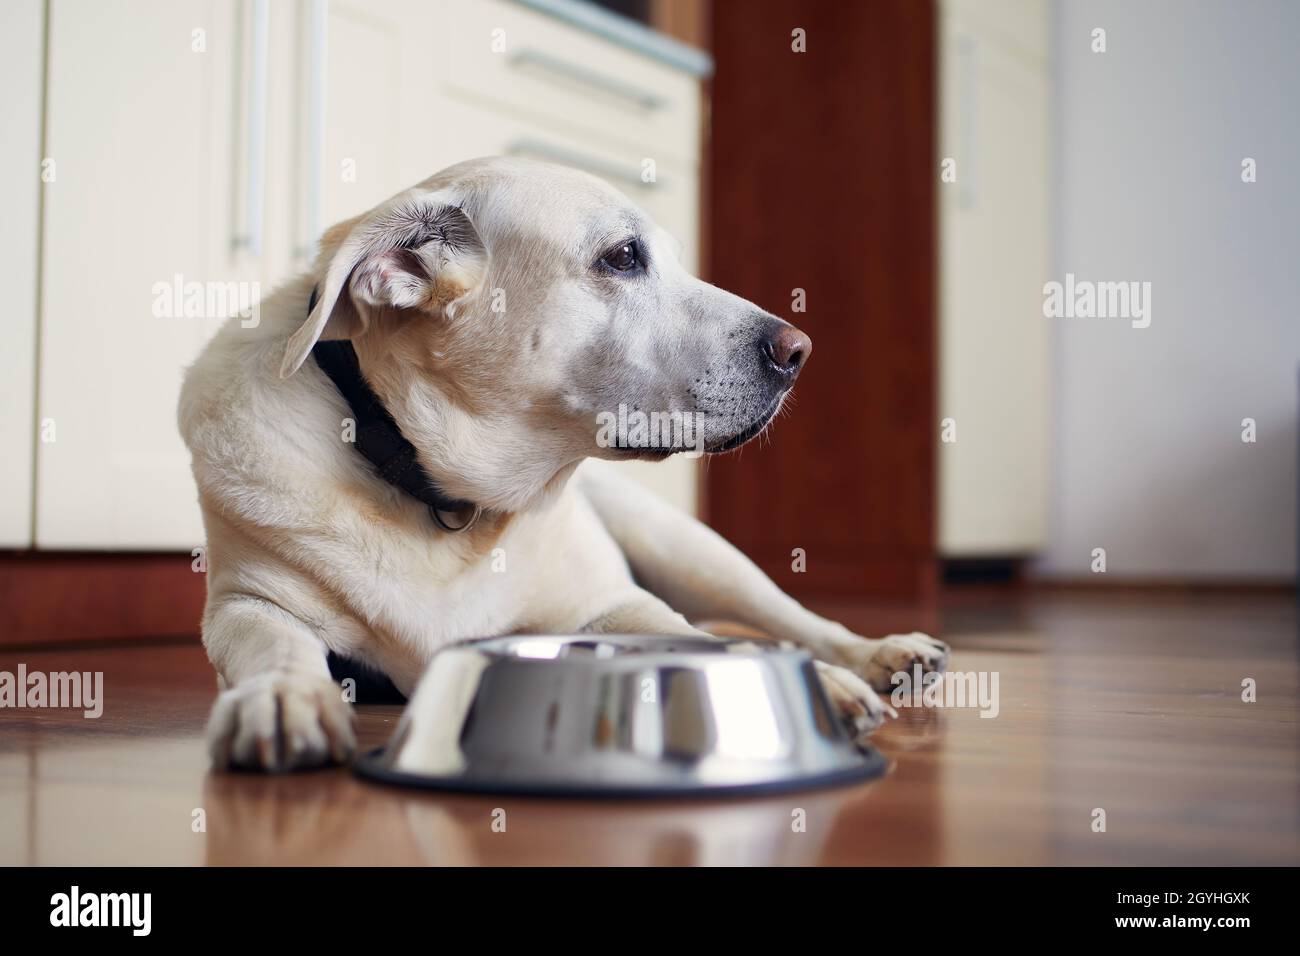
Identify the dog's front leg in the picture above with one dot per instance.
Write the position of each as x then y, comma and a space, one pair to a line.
640, 612
279, 709
705, 577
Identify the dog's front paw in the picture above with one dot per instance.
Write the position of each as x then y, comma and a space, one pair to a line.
877, 661
857, 705
281, 720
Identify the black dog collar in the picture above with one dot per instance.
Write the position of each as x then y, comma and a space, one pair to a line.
379, 439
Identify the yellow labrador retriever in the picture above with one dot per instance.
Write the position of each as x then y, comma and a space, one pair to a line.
390, 461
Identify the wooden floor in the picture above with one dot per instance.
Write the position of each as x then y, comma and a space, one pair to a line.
1131, 704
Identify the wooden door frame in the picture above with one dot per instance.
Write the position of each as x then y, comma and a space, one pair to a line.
821, 176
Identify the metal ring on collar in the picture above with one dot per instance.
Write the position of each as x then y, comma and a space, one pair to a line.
455, 529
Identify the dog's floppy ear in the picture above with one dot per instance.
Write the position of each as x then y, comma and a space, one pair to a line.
419, 252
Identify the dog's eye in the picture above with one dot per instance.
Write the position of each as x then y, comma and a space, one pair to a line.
623, 258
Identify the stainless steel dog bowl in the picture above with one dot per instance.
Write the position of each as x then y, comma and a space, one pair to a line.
619, 715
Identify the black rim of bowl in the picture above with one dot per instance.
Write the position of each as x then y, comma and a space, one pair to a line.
872, 765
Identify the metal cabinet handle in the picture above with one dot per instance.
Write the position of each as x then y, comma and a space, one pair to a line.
638, 95
317, 20
255, 160
625, 173
968, 78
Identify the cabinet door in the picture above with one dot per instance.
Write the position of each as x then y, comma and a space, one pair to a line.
21, 60
370, 124
994, 260
145, 107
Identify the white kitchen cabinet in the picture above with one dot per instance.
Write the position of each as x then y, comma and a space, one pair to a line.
213, 140
511, 60
152, 120
22, 62
506, 79
994, 259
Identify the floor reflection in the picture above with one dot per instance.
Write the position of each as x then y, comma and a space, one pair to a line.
315, 819
1133, 706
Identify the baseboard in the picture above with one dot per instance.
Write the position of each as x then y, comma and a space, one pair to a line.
58, 598
973, 571
1107, 583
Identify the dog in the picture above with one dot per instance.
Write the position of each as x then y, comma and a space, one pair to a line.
472, 330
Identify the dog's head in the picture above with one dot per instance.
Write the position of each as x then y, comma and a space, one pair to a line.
516, 316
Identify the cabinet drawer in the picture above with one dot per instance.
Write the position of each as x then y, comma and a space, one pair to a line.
672, 200
505, 57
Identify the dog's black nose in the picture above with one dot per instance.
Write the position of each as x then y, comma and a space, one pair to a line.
786, 348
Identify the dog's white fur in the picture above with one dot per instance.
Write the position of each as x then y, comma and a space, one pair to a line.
486, 320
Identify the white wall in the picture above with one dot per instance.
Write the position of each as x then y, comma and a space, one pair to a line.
1148, 457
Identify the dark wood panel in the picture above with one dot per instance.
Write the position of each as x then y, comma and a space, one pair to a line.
68, 598
821, 177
